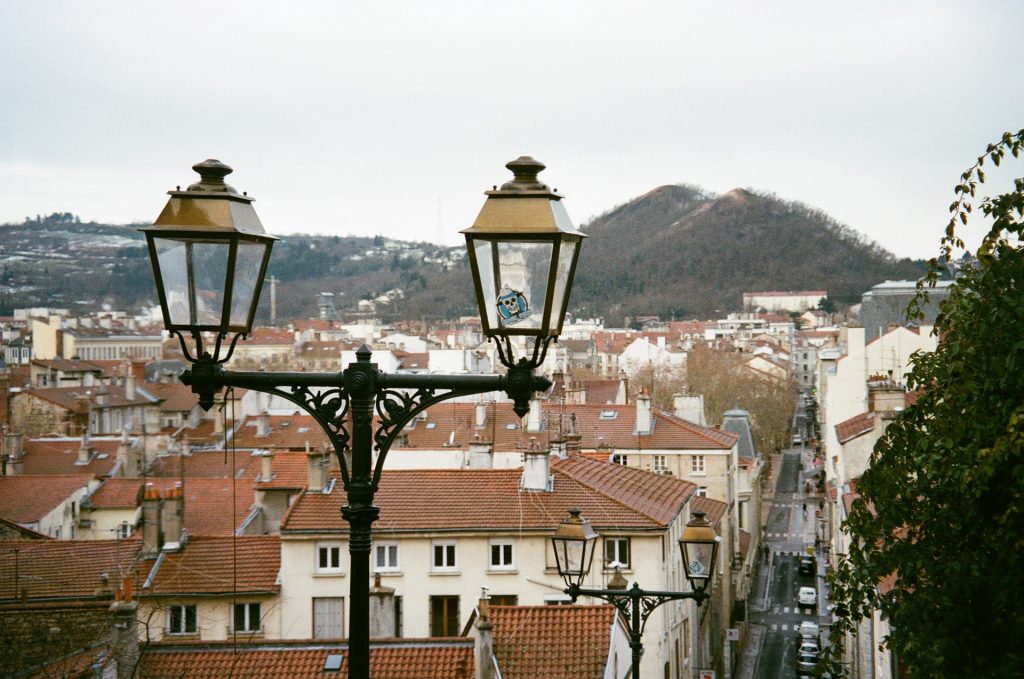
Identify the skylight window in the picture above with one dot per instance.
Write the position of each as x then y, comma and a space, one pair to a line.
609, 414
431, 425
511, 426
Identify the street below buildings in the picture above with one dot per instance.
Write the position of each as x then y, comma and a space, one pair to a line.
789, 533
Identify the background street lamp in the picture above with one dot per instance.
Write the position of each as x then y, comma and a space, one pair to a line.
209, 255
574, 543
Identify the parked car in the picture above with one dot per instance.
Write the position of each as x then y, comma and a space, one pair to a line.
809, 631
805, 662
797, 439
807, 564
807, 597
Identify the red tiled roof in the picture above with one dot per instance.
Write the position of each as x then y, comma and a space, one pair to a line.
116, 494
212, 506
289, 470
269, 336
411, 360
67, 365
291, 432
206, 565
713, 510
72, 398
596, 430
55, 569
568, 642
207, 464
176, 396
437, 658
601, 391
847, 430
12, 531
26, 499
59, 455
611, 496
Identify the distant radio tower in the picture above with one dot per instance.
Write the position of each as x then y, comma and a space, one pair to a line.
273, 302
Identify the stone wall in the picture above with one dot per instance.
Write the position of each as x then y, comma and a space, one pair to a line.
34, 634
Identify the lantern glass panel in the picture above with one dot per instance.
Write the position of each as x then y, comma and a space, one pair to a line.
248, 264
700, 559
518, 285
194, 273
571, 557
566, 257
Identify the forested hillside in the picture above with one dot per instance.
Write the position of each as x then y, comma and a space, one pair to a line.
674, 252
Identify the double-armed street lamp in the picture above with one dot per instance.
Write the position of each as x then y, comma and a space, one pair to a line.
574, 543
210, 253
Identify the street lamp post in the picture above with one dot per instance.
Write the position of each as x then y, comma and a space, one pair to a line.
210, 253
574, 543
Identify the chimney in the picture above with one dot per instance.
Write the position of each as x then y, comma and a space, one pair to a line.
382, 610
573, 439
14, 449
150, 521
533, 418
263, 424
218, 421
129, 383
575, 396
84, 450
481, 413
315, 472
690, 408
483, 646
172, 518
125, 460
267, 466
481, 455
138, 369
125, 638
644, 417
661, 341
536, 469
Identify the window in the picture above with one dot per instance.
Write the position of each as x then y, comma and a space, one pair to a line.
444, 555
385, 557
181, 620
504, 600
125, 529
444, 616
660, 464
616, 551
697, 464
398, 616
328, 617
246, 617
501, 555
619, 458
702, 491
328, 557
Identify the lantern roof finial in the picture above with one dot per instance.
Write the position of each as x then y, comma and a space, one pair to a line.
211, 177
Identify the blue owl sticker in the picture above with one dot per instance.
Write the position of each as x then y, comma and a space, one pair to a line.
512, 306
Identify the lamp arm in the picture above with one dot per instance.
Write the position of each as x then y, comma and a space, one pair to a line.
635, 603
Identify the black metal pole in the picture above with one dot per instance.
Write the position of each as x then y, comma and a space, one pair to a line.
636, 605
331, 398
360, 511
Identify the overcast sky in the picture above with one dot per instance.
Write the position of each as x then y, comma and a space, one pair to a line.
392, 118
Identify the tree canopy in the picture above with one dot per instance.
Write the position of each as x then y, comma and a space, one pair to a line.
937, 534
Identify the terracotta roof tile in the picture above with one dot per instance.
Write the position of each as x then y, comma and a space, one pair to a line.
57, 569
599, 426
289, 470
847, 430
26, 499
389, 659
116, 493
59, 455
569, 642
713, 510
206, 565
291, 432
70, 397
176, 396
611, 496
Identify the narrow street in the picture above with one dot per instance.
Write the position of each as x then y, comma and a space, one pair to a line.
789, 532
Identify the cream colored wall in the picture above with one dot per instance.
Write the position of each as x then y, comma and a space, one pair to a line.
213, 617
716, 466
62, 519
533, 578
107, 521
44, 338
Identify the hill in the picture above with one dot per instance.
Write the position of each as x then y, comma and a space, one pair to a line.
675, 252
